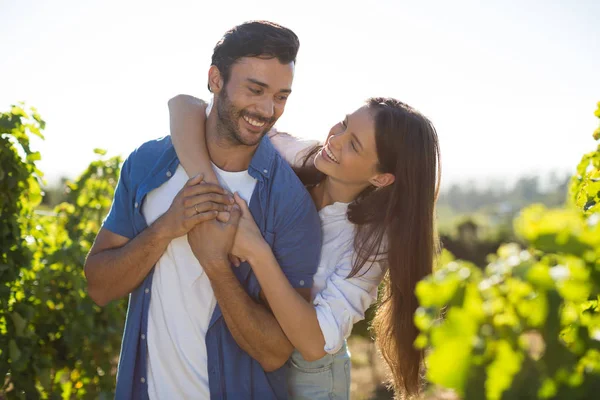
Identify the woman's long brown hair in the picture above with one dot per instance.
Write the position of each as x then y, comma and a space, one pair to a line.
396, 226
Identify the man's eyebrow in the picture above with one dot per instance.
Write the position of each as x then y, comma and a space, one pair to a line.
259, 83
264, 85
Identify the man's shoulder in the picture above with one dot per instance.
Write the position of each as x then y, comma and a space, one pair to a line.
147, 159
151, 150
285, 181
148, 156
290, 197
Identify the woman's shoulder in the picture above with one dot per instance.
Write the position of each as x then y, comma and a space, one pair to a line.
293, 149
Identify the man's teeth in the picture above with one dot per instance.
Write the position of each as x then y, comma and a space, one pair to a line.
254, 122
330, 154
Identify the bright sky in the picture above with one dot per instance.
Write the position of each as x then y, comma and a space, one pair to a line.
510, 86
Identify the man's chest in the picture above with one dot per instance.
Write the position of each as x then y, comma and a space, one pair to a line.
178, 270
158, 201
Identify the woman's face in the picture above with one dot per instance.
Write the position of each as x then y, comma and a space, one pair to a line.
350, 154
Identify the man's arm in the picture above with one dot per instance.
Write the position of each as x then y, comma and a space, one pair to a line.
116, 265
251, 324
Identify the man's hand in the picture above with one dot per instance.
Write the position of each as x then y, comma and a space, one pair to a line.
196, 202
212, 241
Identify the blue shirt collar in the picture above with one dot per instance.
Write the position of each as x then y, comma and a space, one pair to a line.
263, 159
261, 164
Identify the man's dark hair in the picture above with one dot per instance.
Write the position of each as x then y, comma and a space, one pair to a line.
254, 39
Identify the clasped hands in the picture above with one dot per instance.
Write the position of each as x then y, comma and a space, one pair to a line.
219, 225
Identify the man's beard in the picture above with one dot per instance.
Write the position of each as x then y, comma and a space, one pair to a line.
228, 125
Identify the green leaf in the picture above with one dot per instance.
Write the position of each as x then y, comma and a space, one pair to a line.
420, 342
19, 111
501, 371
450, 358
19, 322
438, 290
13, 351
35, 156
45, 378
547, 390
101, 152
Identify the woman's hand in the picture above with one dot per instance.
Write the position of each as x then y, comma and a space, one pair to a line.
248, 240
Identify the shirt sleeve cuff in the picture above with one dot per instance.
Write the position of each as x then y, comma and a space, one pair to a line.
333, 335
120, 229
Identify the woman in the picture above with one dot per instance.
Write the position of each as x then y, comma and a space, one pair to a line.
374, 181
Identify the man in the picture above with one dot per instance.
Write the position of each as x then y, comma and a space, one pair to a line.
200, 331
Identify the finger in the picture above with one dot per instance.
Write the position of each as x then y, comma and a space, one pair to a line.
194, 180
241, 202
204, 207
235, 215
234, 260
192, 208
202, 188
203, 217
190, 201
223, 216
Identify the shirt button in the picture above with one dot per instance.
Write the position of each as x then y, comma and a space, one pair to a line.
136, 204
265, 171
169, 173
143, 380
143, 336
301, 283
146, 290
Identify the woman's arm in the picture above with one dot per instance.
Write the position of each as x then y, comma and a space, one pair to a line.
313, 329
293, 149
296, 316
187, 116
320, 327
188, 133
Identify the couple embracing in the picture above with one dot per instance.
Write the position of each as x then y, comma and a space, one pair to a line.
248, 254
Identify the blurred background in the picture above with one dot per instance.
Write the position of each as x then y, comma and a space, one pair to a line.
509, 85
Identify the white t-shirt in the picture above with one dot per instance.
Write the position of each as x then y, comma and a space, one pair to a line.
339, 302
182, 301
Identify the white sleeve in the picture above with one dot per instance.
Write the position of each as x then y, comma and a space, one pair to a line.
292, 149
343, 301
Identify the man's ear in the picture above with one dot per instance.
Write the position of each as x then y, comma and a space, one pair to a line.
215, 80
382, 180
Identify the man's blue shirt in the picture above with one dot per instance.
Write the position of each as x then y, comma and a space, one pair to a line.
289, 222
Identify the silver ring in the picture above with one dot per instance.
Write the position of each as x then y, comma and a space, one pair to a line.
196, 208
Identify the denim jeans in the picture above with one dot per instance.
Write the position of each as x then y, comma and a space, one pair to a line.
326, 378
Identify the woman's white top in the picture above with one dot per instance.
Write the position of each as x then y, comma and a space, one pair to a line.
340, 302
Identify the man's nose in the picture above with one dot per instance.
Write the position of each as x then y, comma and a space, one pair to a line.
266, 108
